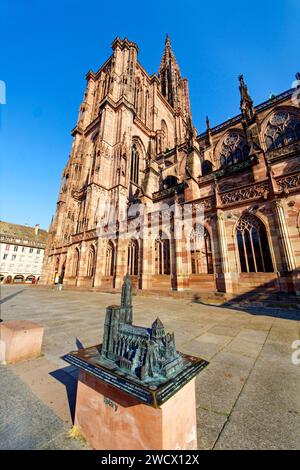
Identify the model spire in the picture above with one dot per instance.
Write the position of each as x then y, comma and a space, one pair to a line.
126, 299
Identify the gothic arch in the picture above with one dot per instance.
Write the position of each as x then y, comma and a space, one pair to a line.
137, 161
91, 261
280, 127
133, 257
93, 137
110, 258
138, 96
63, 270
162, 254
136, 140
201, 250
169, 181
135, 165
253, 245
75, 262
231, 148
147, 101
165, 135
206, 167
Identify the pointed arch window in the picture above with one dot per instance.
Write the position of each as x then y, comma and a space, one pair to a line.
207, 167
138, 97
135, 165
201, 252
91, 262
164, 137
76, 262
109, 259
162, 256
253, 245
146, 106
282, 129
133, 258
234, 149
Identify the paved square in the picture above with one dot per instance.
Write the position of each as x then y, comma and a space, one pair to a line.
247, 398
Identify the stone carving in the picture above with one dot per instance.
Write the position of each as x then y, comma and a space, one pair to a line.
207, 202
169, 192
148, 354
289, 182
242, 194
246, 104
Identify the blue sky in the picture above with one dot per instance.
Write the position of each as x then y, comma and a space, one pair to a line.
47, 48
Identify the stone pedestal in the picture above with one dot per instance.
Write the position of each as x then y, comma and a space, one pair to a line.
20, 340
110, 419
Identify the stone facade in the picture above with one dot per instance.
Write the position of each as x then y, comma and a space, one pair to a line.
134, 143
21, 252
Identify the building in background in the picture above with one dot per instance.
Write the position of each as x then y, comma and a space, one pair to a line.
134, 142
21, 252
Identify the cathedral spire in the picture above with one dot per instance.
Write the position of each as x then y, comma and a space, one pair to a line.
246, 105
169, 74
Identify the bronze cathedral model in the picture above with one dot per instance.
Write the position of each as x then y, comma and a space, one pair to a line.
141, 362
146, 353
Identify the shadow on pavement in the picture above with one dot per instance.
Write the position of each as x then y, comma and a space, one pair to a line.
11, 296
68, 377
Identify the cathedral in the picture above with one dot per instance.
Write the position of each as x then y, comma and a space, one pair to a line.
134, 145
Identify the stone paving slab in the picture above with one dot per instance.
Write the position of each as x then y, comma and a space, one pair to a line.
267, 413
247, 397
26, 423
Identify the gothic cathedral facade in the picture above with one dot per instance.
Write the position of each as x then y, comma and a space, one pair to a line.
134, 143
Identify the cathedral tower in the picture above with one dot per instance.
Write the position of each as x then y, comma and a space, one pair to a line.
173, 87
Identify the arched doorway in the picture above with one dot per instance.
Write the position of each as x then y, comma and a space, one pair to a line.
19, 278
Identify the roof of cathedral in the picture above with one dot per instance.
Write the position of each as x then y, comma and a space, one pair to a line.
134, 330
260, 107
23, 232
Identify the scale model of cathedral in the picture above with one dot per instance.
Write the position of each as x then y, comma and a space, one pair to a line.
149, 354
